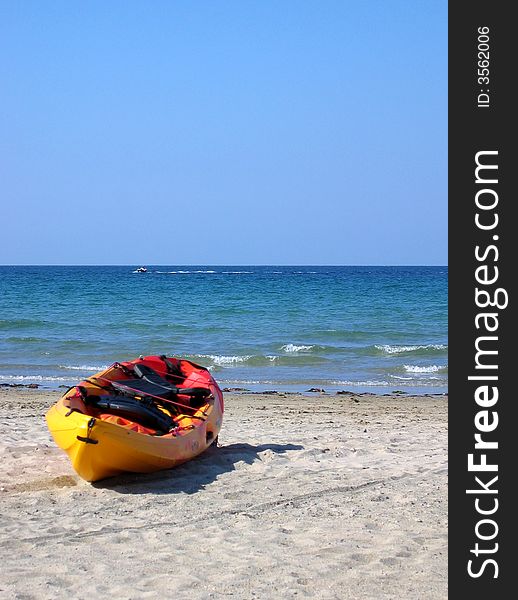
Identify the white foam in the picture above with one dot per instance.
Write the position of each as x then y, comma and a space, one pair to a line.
185, 272
84, 367
369, 383
31, 378
427, 369
225, 360
357, 383
174, 272
388, 349
294, 348
241, 381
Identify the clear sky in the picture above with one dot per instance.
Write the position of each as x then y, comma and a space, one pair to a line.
223, 132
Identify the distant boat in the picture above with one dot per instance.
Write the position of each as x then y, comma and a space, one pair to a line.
140, 270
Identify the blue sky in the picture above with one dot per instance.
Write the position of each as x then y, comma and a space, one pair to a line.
223, 132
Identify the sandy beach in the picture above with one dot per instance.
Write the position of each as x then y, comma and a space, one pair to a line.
307, 496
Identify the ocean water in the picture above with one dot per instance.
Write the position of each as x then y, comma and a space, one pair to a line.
285, 328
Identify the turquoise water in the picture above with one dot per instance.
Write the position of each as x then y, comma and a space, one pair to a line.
289, 328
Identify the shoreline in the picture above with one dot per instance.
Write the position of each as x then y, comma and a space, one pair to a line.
324, 496
330, 391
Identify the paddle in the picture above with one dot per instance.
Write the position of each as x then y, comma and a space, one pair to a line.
138, 393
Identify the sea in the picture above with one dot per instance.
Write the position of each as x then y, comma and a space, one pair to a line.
260, 328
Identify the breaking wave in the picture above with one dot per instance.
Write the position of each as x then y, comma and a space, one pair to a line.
84, 367
295, 348
414, 349
425, 369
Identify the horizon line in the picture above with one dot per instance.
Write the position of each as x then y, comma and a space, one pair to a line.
219, 265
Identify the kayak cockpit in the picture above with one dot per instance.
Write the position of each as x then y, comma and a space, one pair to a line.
138, 397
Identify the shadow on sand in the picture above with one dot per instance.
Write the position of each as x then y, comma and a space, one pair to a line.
194, 475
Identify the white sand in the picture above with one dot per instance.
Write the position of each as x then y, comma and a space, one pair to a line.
308, 497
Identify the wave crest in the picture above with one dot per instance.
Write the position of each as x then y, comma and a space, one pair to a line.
425, 369
295, 348
388, 349
225, 360
84, 367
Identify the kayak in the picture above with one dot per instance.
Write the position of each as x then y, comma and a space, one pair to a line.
139, 416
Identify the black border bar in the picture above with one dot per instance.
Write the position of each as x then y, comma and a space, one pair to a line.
483, 128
